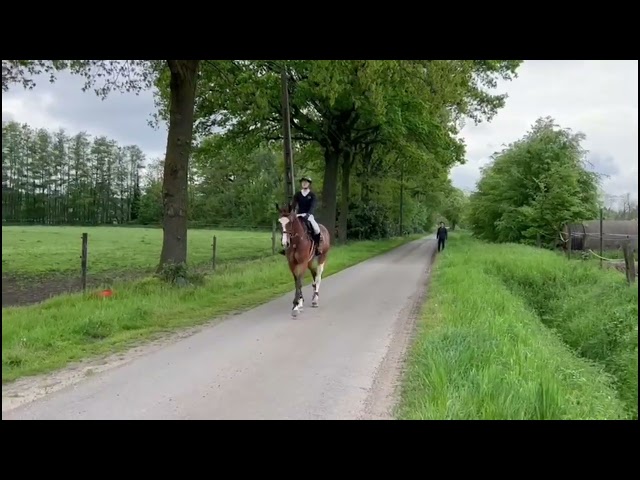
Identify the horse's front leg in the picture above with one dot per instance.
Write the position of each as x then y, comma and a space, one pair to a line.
314, 285
298, 300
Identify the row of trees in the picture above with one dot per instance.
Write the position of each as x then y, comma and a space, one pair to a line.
620, 207
535, 186
53, 178
369, 129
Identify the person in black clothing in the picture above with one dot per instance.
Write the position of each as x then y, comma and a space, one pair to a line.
305, 200
441, 235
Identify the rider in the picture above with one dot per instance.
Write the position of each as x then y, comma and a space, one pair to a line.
306, 202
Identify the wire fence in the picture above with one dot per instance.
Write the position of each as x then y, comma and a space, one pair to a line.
40, 262
623, 245
38, 253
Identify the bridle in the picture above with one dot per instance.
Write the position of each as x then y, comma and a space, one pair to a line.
288, 230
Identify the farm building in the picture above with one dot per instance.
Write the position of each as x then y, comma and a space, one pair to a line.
586, 236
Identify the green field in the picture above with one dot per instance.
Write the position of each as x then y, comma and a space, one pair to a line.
514, 332
44, 337
35, 251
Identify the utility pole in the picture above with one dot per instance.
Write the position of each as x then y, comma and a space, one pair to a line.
401, 197
286, 133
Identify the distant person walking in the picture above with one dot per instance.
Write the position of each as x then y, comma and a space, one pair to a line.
441, 235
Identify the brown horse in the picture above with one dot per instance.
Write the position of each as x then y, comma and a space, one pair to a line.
300, 251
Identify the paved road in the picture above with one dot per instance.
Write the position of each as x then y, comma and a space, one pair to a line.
338, 361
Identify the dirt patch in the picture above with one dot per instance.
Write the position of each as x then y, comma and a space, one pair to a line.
385, 392
20, 290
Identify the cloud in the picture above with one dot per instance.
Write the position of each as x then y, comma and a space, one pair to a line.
596, 97
122, 116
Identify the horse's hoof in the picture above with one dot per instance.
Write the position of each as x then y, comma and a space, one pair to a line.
294, 313
314, 304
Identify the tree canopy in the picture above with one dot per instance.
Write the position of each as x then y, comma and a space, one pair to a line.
352, 110
534, 186
379, 137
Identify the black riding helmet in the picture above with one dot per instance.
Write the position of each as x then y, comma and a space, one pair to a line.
308, 179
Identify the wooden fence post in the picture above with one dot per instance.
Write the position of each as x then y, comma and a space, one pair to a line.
601, 236
538, 240
83, 260
214, 247
629, 262
273, 238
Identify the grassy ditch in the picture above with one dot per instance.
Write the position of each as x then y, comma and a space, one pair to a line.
514, 332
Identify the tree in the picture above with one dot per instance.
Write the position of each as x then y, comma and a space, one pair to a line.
454, 205
534, 186
136, 75
620, 207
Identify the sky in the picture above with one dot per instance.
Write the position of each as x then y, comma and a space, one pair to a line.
596, 97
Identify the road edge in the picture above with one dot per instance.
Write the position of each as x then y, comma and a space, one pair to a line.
386, 388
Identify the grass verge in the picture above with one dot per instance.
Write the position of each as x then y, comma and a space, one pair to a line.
44, 337
482, 351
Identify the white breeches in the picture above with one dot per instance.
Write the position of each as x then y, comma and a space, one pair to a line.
312, 221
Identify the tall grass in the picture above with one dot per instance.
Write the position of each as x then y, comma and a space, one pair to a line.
482, 352
594, 311
41, 338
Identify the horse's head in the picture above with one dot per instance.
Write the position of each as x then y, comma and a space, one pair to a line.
287, 218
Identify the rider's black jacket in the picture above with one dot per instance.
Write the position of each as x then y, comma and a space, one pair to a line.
305, 204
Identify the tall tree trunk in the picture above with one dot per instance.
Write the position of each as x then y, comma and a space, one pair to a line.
365, 189
366, 159
330, 189
347, 162
184, 75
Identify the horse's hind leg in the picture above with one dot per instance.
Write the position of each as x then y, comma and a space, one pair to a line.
314, 274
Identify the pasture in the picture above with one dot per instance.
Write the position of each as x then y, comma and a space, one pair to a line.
44, 337
516, 332
40, 251
39, 262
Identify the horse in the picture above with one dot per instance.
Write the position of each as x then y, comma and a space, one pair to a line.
300, 251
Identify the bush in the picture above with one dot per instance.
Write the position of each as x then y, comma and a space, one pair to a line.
369, 221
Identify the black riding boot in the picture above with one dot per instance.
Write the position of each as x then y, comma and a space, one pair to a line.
317, 238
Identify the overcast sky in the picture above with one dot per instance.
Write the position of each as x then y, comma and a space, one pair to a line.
596, 97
